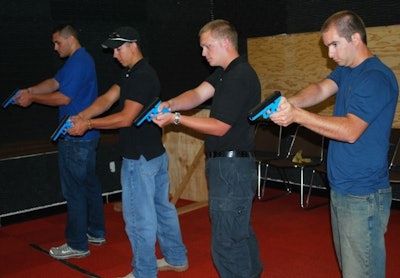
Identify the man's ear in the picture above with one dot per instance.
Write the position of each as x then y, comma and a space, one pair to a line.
71, 39
134, 45
356, 37
226, 42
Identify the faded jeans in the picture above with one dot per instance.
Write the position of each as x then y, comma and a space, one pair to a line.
149, 215
359, 225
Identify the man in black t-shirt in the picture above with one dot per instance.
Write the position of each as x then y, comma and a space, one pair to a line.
147, 212
230, 166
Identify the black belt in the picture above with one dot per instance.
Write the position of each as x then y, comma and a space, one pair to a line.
229, 154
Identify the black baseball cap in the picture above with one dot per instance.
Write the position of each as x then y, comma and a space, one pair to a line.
120, 36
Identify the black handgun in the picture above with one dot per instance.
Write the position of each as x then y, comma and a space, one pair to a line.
266, 108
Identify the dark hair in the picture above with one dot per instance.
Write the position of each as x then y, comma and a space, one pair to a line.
67, 30
221, 28
346, 23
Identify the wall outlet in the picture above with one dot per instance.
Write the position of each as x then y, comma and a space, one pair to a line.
112, 166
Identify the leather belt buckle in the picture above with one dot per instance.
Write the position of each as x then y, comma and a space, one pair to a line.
230, 154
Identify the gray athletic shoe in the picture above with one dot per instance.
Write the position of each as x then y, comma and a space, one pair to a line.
96, 240
65, 252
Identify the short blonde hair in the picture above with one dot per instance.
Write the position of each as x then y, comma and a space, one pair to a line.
220, 29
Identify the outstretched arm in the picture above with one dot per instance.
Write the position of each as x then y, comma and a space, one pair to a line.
347, 128
188, 100
85, 120
46, 93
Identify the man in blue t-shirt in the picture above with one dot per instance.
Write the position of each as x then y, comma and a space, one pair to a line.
366, 98
74, 88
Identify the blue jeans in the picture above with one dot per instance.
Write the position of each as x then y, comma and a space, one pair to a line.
82, 190
149, 216
359, 225
232, 187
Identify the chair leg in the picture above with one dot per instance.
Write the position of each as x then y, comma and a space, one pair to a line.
261, 188
302, 187
310, 188
259, 180
307, 201
285, 178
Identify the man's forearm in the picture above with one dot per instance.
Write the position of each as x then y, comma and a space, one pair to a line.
45, 87
50, 99
183, 102
314, 93
192, 98
99, 106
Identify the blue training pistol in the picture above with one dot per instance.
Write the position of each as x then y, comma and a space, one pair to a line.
62, 128
149, 112
10, 99
266, 108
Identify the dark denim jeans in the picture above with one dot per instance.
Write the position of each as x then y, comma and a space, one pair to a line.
82, 191
232, 187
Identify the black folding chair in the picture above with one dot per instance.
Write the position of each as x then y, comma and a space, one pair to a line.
320, 171
306, 151
394, 165
267, 147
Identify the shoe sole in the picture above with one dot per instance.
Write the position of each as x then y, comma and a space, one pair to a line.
173, 268
97, 243
76, 256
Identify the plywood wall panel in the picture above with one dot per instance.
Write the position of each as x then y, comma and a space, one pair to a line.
182, 145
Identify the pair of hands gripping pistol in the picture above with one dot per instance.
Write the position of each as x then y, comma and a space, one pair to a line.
148, 113
62, 128
266, 108
11, 99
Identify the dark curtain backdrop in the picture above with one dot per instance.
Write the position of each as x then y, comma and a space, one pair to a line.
169, 30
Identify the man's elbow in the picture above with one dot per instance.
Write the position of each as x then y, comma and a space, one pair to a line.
126, 122
64, 100
222, 131
352, 138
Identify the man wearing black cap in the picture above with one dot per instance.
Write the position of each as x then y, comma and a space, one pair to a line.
147, 212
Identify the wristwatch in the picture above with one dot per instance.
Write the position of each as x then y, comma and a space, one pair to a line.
177, 118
